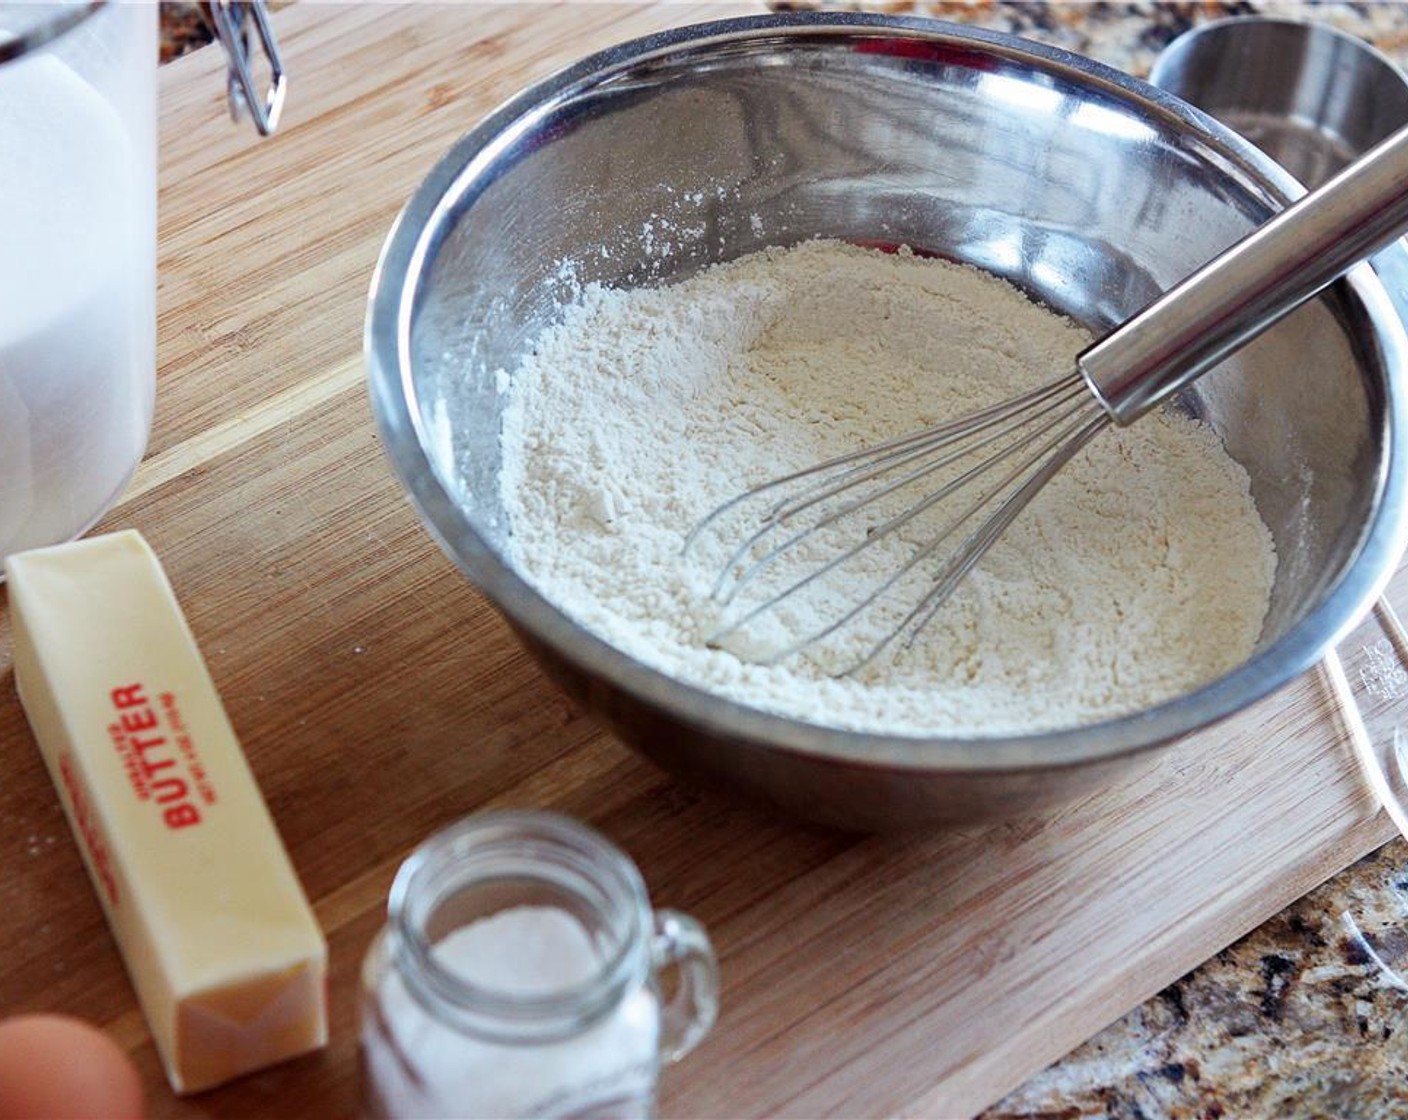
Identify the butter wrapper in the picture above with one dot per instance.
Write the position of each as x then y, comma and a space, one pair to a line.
227, 959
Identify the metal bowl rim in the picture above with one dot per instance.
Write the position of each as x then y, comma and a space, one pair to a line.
400, 270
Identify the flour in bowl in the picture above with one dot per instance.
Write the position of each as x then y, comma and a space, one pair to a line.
1140, 572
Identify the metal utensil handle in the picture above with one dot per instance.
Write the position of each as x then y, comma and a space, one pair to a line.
229, 20
1232, 299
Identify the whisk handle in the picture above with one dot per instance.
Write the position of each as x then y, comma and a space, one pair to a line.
1237, 295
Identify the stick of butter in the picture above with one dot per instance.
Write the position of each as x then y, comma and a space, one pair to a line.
227, 959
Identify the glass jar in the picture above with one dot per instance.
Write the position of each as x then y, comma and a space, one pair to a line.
77, 261
518, 975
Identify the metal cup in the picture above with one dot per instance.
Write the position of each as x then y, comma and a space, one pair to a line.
1311, 97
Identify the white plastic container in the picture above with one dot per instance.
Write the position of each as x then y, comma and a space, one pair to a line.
77, 262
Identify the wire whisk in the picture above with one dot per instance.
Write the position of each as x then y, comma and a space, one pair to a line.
876, 541
999, 457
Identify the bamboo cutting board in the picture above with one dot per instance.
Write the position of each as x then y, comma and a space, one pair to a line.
379, 698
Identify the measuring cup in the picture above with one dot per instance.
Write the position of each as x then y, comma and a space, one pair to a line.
78, 251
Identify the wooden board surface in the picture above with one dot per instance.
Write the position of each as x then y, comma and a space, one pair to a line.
379, 698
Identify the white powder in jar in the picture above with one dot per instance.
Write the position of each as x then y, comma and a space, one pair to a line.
419, 1063
1140, 572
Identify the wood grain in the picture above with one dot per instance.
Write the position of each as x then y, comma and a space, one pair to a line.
379, 698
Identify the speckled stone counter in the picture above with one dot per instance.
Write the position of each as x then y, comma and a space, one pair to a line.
1301, 1018
183, 28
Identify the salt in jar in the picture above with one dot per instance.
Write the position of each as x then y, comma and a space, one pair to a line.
517, 975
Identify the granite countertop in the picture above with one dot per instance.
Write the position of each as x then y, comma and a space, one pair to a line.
183, 28
1300, 1018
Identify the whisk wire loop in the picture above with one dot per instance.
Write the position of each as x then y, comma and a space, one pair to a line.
951, 449
1076, 426
1058, 453
1013, 413
1035, 398
1005, 454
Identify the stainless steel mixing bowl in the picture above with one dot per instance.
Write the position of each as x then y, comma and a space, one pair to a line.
1086, 188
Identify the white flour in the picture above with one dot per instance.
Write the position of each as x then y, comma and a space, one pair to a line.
1140, 572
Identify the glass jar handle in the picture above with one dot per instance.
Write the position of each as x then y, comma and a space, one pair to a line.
681, 941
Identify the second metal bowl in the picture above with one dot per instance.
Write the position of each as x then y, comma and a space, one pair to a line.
1309, 95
